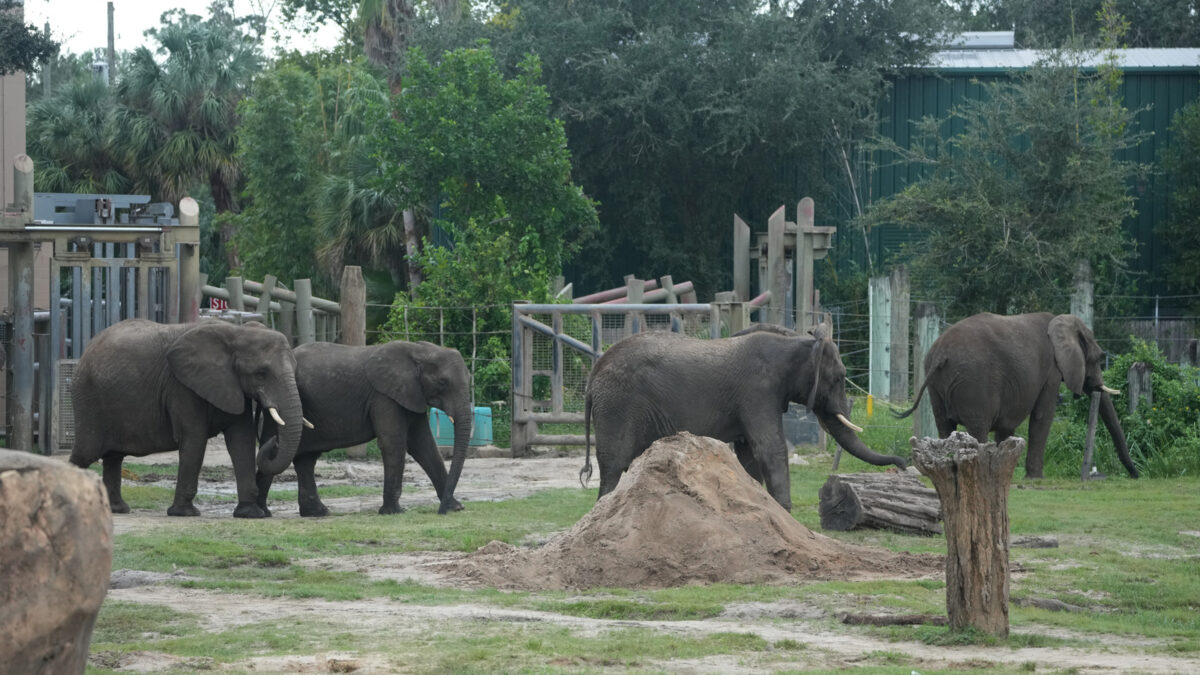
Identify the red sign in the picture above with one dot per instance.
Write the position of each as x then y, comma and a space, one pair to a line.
218, 303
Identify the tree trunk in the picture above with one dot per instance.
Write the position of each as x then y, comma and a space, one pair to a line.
891, 501
972, 482
412, 241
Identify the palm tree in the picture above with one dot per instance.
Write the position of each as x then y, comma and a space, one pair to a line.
70, 143
175, 121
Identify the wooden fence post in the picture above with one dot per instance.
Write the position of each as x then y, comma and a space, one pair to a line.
237, 296
741, 259
264, 299
1140, 385
305, 328
776, 267
928, 329
880, 345
898, 381
1081, 296
353, 302
972, 482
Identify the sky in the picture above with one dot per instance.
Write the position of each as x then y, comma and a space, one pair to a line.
81, 25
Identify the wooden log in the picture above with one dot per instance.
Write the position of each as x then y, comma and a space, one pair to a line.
891, 501
893, 619
972, 482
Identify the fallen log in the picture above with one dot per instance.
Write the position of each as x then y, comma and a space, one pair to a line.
893, 619
891, 501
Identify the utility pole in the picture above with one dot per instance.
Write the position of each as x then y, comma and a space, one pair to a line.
111, 56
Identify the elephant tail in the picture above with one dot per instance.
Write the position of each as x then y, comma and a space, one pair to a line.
585, 474
920, 392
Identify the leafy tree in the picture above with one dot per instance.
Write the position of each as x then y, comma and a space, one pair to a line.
1041, 24
1026, 191
69, 137
483, 151
22, 46
679, 114
175, 120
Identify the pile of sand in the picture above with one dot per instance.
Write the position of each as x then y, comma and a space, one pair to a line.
685, 513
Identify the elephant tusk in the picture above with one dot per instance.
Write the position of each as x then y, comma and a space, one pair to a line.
842, 418
450, 418
1109, 390
307, 423
275, 416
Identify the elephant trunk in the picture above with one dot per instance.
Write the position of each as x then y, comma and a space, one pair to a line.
1109, 414
851, 443
463, 418
273, 458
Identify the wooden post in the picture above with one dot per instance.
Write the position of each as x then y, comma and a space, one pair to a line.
668, 285
972, 482
878, 500
305, 328
635, 291
353, 303
1140, 385
741, 259
264, 302
928, 329
189, 262
805, 293
880, 345
237, 293
898, 385
776, 267
1090, 445
1081, 296
20, 303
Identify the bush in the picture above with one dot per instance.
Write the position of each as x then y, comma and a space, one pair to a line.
1163, 436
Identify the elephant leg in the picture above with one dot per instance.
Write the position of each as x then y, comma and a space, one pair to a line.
769, 450
263, 482
1039, 431
191, 457
391, 429
239, 442
746, 457
945, 425
306, 486
112, 482
614, 453
423, 448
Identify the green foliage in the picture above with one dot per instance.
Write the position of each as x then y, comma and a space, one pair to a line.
1163, 436
679, 114
1041, 24
1031, 187
22, 46
1181, 160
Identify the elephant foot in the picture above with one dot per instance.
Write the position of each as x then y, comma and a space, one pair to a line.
119, 507
449, 505
317, 510
186, 510
250, 510
388, 509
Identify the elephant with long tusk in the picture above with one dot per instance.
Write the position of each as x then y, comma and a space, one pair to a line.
989, 372
736, 389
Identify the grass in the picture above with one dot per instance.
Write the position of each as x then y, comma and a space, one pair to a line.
1122, 555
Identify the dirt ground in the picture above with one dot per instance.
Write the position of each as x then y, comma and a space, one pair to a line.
500, 478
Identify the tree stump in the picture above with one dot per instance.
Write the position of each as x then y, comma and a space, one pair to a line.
888, 501
972, 482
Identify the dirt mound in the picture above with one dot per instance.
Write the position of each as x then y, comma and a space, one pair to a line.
685, 513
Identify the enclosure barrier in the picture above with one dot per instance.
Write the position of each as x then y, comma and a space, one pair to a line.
297, 314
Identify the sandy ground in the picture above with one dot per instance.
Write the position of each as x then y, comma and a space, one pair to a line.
826, 645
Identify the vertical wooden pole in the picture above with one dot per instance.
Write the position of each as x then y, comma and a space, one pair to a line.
264, 299
928, 328
880, 347
20, 303
353, 303
901, 329
189, 263
1081, 296
741, 259
556, 366
1140, 385
668, 284
237, 294
776, 266
635, 291
305, 328
805, 219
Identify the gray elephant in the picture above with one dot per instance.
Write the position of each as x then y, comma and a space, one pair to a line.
736, 389
143, 387
990, 372
354, 394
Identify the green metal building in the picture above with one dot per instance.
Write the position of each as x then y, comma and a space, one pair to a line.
1156, 81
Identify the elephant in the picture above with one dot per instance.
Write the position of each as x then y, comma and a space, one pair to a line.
355, 393
990, 372
654, 384
142, 387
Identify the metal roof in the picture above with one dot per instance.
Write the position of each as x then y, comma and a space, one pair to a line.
1182, 58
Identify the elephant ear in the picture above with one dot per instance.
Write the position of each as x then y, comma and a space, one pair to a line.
1065, 331
395, 370
201, 358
